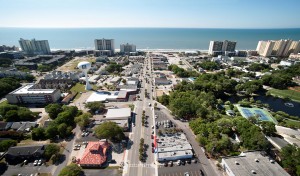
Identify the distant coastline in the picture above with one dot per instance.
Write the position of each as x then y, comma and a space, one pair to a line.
146, 38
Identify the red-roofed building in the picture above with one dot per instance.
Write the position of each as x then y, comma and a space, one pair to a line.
94, 154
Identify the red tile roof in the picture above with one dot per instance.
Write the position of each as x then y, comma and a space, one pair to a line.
94, 154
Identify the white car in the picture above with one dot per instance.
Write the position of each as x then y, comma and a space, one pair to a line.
133, 125
149, 104
35, 162
40, 162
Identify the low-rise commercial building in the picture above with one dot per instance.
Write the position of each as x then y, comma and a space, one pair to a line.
28, 95
20, 153
162, 81
112, 96
173, 147
95, 154
252, 163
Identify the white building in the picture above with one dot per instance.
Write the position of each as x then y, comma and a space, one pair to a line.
29, 95
127, 48
252, 163
173, 147
35, 46
104, 47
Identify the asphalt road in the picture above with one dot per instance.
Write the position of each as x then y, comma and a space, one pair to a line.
135, 167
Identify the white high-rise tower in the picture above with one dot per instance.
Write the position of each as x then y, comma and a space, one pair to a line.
85, 66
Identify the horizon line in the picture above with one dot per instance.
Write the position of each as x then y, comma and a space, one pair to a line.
27, 27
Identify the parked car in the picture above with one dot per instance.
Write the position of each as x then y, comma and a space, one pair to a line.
35, 162
171, 163
166, 164
40, 162
186, 174
201, 172
178, 162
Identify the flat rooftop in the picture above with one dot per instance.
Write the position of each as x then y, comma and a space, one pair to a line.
262, 165
102, 96
26, 90
118, 113
174, 154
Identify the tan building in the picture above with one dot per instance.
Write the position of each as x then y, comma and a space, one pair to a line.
265, 48
28, 95
294, 48
281, 48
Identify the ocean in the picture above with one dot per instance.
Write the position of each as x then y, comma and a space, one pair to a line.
145, 38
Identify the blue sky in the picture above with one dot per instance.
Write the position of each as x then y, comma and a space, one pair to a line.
151, 13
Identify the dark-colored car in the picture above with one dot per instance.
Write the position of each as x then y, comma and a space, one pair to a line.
201, 172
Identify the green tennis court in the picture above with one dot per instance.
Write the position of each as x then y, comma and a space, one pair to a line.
262, 114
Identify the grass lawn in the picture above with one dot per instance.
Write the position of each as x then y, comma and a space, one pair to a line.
4, 103
75, 62
292, 123
293, 95
32, 142
78, 88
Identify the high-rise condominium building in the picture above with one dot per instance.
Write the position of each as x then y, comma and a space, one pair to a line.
105, 46
278, 48
221, 47
127, 48
35, 46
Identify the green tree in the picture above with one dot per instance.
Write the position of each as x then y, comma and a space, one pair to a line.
71, 170
53, 110
109, 130
38, 134
11, 116
291, 159
50, 150
6, 144
62, 130
51, 131
268, 128
95, 106
83, 120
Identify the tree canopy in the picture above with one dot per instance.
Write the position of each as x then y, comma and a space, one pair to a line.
291, 159
95, 106
71, 170
83, 120
14, 113
209, 65
114, 67
6, 144
50, 150
53, 110
8, 84
109, 130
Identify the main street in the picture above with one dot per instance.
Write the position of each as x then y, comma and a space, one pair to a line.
133, 166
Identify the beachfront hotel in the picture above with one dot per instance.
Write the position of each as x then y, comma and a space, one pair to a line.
104, 47
127, 48
278, 48
221, 47
35, 46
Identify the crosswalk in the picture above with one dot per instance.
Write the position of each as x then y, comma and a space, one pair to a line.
191, 173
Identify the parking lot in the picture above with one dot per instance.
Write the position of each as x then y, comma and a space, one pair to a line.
164, 124
193, 169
